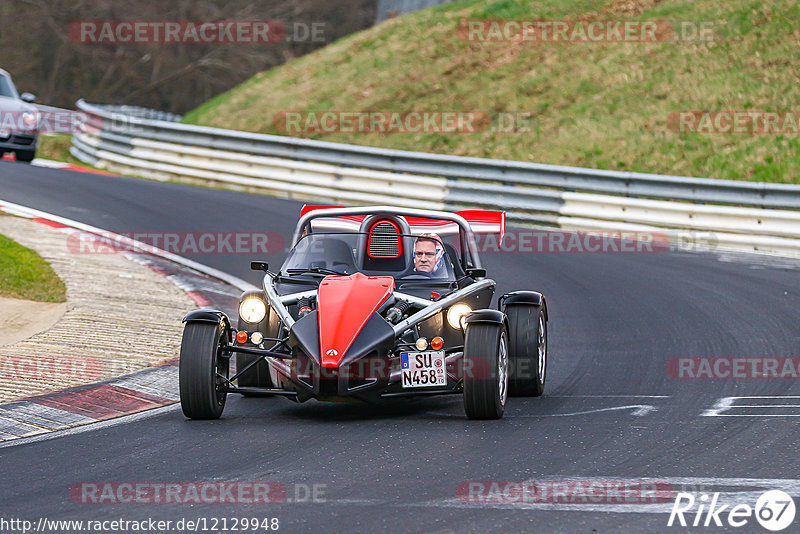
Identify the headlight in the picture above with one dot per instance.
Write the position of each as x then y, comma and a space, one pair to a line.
253, 310
456, 314
29, 120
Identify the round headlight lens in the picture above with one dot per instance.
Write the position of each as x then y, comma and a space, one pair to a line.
29, 120
456, 314
253, 310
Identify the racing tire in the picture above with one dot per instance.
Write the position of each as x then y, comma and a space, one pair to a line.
25, 156
258, 375
527, 349
201, 371
485, 370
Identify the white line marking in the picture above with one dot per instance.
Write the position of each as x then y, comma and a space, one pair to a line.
768, 397
755, 415
767, 406
49, 163
751, 489
607, 396
638, 410
721, 405
726, 404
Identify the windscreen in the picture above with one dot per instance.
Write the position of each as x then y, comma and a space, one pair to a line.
7, 88
407, 257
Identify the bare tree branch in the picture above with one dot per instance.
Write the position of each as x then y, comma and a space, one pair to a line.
45, 59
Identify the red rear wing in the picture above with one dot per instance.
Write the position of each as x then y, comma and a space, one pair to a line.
480, 221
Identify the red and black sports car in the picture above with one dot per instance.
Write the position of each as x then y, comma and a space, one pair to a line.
371, 303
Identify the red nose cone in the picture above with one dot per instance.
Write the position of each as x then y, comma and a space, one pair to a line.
344, 305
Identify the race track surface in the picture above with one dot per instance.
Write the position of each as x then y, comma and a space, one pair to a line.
611, 411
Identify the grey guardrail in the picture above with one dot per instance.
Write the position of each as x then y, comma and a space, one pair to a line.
752, 215
487, 174
140, 112
54, 120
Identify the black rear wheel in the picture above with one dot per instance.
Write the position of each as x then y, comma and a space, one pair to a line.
527, 336
485, 370
203, 370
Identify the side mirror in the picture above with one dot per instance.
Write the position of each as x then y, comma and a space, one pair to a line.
473, 272
28, 97
259, 266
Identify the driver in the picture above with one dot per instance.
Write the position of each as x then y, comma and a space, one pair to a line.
428, 253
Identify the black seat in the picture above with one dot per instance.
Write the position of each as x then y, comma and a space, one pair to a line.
333, 254
451, 253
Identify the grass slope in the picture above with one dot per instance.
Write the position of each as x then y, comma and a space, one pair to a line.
601, 105
56, 147
25, 275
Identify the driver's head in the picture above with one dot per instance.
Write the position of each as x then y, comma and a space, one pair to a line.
428, 253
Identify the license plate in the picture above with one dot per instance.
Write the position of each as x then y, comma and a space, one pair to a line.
423, 369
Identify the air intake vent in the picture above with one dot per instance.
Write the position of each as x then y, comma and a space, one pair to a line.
384, 241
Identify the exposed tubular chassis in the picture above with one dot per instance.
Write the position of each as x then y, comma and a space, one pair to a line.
276, 359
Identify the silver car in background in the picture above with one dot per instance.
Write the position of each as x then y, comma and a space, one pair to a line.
19, 121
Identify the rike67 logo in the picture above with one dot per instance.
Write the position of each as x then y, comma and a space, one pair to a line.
774, 510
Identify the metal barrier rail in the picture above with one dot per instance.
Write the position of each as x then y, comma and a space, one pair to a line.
743, 214
140, 112
54, 120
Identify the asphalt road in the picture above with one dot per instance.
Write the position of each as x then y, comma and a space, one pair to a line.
611, 413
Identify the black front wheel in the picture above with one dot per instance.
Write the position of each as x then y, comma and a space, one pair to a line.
485, 370
203, 370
